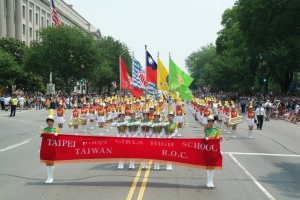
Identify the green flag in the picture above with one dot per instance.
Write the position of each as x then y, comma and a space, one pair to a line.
180, 81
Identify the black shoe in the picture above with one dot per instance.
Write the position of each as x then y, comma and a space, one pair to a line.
10, 116
260, 129
257, 128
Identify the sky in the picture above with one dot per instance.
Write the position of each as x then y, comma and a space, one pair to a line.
175, 27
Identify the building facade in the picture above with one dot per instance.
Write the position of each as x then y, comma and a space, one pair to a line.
20, 19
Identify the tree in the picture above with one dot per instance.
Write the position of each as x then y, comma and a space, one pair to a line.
10, 69
109, 51
272, 28
15, 48
197, 65
62, 50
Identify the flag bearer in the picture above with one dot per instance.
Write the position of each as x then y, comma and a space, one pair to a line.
210, 133
170, 129
50, 130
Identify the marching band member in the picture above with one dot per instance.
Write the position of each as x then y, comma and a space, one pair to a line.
101, 113
210, 133
233, 114
157, 130
205, 113
60, 116
75, 114
220, 114
199, 111
122, 130
92, 114
226, 113
50, 130
127, 111
109, 113
151, 112
96, 107
137, 108
170, 129
251, 117
133, 125
84, 114
145, 130
179, 117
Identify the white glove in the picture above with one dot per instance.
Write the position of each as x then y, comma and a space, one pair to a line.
56, 134
206, 138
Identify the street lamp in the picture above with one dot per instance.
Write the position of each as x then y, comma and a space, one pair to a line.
82, 67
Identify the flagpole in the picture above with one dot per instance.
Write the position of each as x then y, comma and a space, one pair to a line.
132, 88
169, 97
145, 91
120, 80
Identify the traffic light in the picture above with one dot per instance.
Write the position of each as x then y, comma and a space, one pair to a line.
265, 80
83, 87
81, 80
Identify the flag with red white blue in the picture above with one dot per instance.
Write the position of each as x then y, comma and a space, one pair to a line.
55, 18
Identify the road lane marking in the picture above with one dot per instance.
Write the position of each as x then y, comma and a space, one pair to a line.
18, 144
252, 178
15, 145
262, 154
133, 186
145, 179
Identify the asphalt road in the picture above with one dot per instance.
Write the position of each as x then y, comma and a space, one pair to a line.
266, 167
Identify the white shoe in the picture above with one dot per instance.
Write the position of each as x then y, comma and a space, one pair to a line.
233, 137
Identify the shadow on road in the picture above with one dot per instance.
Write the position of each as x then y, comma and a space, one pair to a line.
287, 181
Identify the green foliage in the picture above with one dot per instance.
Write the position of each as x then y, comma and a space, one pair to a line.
109, 51
62, 50
252, 28
14, 47
9, 69
272, 27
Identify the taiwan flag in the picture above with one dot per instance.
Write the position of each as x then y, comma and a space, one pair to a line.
151, 69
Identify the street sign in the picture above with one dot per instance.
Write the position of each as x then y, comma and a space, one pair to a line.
292, 87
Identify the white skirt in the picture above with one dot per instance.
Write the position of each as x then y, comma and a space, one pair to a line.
91, 116
60, 120
109, 117
178, 119
220, 116
100, 119
250, 122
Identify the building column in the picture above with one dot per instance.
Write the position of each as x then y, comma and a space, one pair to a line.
10, 19
19, 25
2, 18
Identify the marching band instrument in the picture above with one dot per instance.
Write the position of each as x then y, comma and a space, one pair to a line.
235, 121
76, 121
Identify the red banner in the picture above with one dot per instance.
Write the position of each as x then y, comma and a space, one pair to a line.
194, 152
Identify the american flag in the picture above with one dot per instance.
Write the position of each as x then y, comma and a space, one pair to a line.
55, 18
114, 84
